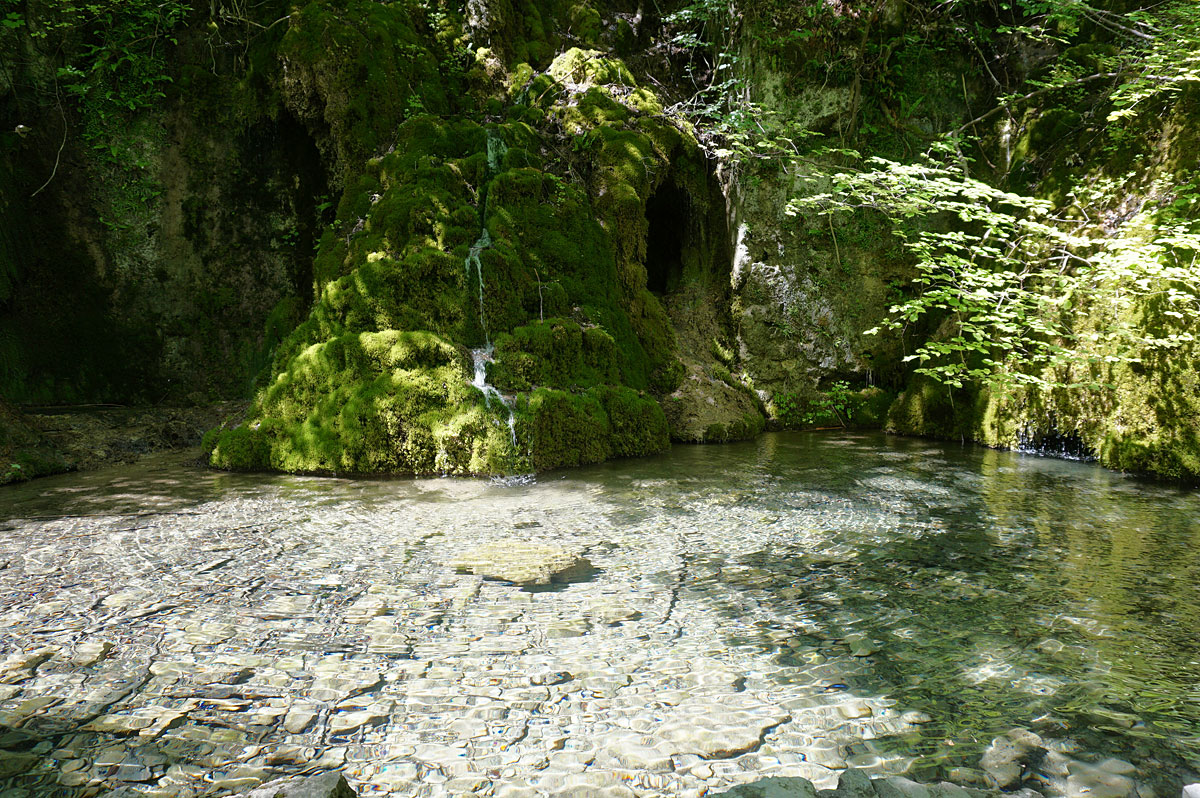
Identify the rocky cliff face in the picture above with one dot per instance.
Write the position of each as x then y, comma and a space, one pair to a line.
1123, 177
472, 239
146, 252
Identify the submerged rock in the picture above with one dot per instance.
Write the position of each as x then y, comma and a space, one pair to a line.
1006, 759
1108, 779
91, 652
524, 564
853, 783
720, 726
777, 787
324, 785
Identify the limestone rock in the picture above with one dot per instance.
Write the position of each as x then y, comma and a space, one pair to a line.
346, 722
12, 764
947, 790
324, 785
91, 652
854, 783
609, 613
627, 751
1191, 791
524, 563
1005, 759
718, 727
1099, 781
774, 788
708, 410
900, 787
22, 665
299, 718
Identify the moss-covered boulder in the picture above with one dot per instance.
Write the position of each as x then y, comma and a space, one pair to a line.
482, 299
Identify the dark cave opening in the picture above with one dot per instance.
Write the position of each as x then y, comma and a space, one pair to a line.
296, 187
667, 217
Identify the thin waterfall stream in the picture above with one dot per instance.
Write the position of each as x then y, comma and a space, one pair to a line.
481, 356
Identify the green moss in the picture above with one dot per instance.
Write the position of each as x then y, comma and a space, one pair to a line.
565, 429
590, 66
872, 405
555, 353
371, 66
243, 448
637, 425
928, 408
585, 22
519, 82
454, 239
595, 108
382, 402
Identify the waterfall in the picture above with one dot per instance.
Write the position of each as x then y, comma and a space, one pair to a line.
483, 355
496, 150
481, 358
483, 242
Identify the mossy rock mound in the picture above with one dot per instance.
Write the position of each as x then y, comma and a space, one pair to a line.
375, 402
482, 301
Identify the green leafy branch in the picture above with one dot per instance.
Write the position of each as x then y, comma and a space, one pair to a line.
1168, 60
1005, 280
111, 52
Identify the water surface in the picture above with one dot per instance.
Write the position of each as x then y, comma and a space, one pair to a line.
816, 601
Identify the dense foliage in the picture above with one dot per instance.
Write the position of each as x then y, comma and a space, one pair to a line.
1012, 279
1026, 289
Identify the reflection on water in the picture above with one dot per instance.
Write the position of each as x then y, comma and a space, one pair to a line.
862, 600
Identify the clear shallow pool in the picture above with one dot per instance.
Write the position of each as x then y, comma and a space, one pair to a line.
806, 601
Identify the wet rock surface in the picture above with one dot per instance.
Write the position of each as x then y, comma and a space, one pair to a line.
855, 783
524, 563
1020, 759
324, 785
95, 436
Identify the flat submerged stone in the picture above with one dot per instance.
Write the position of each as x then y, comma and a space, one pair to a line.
323, 785
524, 563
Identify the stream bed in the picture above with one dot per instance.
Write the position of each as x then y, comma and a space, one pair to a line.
789, 606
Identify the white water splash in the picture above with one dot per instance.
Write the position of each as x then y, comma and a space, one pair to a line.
481, 358
496, 149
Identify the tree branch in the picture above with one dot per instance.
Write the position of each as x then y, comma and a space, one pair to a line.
1030, 96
